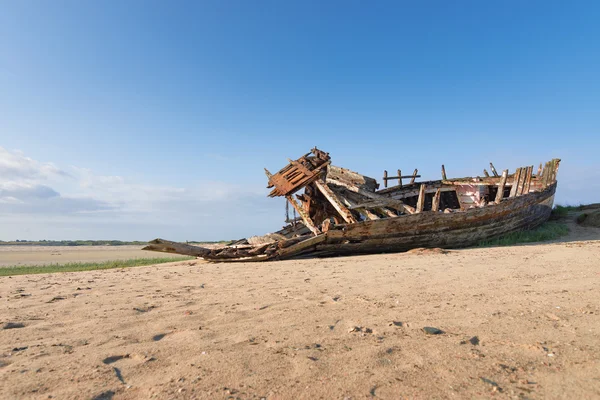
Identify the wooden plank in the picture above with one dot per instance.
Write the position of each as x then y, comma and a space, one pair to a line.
414, 175
539, 172
515, 183
487, 175
302, 246
166, 246
528, 177
435, 205
521, 183
421, 199
385, 178
493, 170
305, 217
387, 212
368, 214
443, 172
555, 164
335, 202
351, 177
545, 174
501, 185
402, 176
353, 206
399, 178
395, 204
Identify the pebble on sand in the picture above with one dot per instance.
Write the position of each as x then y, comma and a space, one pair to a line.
13, 325
432, 331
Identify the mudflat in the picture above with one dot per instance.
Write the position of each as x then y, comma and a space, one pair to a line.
517, 322
42, 255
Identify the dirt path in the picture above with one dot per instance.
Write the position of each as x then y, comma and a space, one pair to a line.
328, 328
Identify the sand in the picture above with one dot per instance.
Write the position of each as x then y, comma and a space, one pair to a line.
338, 328
43, 255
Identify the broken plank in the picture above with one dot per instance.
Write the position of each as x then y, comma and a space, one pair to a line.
395, 204
435, 204
528, 176
515, 183
414, 175
302, 246
166, 246
385, 211
421, 199
335, 202
501, 185
305, 217
493, 169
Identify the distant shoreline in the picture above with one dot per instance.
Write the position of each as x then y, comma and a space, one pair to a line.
73, 243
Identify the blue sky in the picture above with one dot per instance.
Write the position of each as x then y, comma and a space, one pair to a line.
138, 119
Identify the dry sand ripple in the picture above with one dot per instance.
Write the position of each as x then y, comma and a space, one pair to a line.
327, 328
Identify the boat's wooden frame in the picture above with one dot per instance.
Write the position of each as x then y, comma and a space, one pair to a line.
346, 214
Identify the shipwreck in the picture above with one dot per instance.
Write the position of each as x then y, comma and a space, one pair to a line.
340, 212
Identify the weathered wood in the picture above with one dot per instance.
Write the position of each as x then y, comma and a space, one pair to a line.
166, 246
351, 177
539, 171
443, 172
414, 176
515, 183
435, 204
487, 175
399, 178
385, 211
396, 204
493, 169
435, 223
421, 199
335, 202
300, 247
354, 206
385, 178
528, 177
298, 173
500, 193
522, 179
368, 214
546, 175
555, 165
305, 217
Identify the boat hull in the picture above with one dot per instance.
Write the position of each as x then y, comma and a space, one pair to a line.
445, 230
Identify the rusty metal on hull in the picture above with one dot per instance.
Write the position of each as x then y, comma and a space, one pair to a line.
343, 212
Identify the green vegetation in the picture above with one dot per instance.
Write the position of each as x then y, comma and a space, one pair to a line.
88, 266
563, 211
547, 231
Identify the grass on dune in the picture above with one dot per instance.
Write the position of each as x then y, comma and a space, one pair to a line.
85, 266
547, 231
563, 211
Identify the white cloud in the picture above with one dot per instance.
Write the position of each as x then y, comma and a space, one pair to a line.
13, 164
43, 201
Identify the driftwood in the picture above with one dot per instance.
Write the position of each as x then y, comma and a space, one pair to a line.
165, 246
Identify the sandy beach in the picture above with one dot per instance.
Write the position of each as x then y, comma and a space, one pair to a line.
518, 322
43, 255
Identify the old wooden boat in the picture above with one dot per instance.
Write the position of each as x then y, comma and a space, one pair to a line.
342, 212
